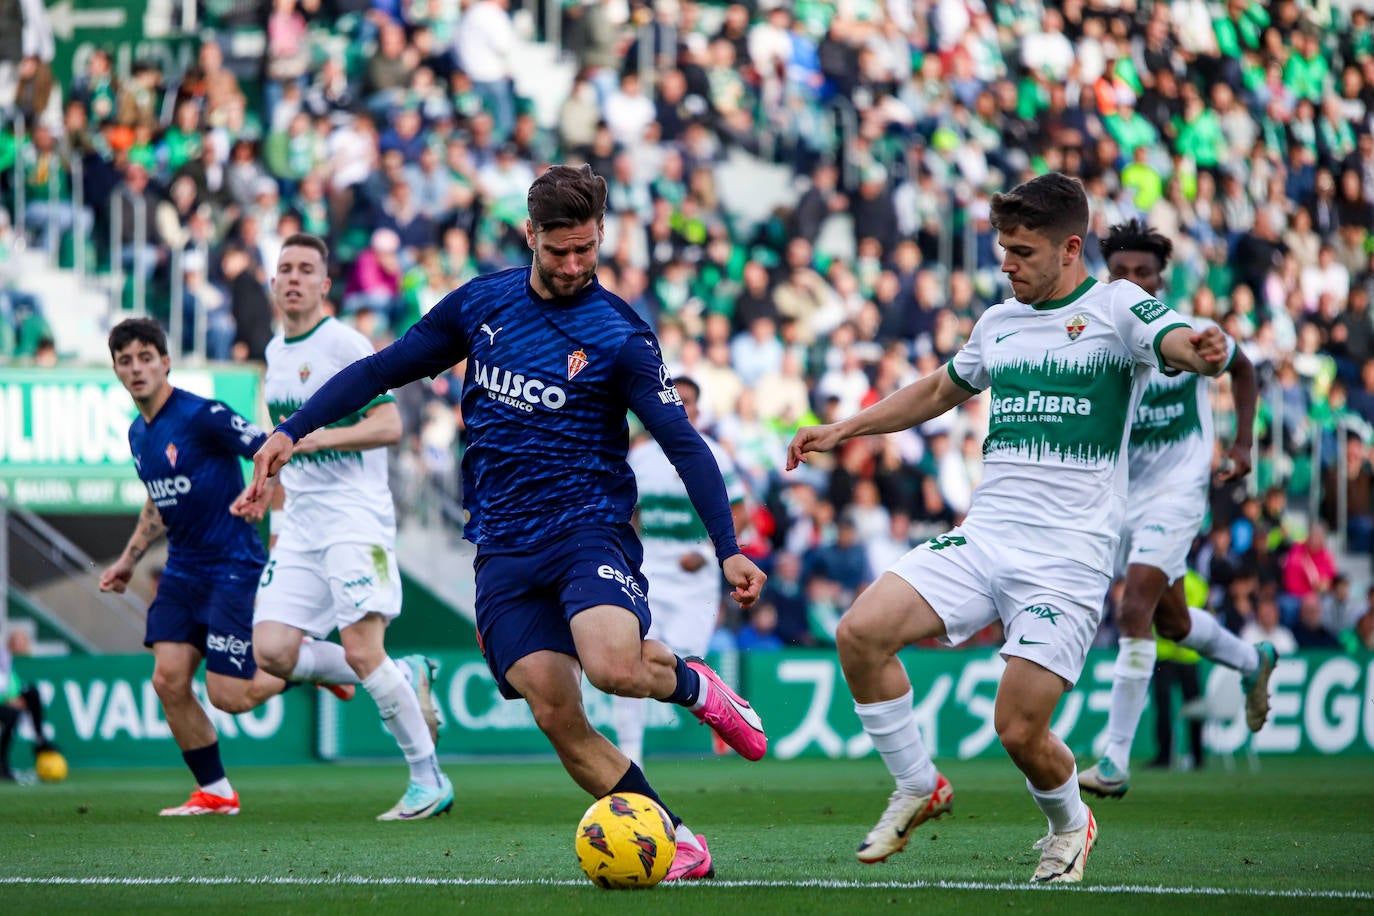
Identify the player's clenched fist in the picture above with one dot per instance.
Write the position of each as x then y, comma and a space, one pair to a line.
268, 460
1210, 345
116, 577
811, 439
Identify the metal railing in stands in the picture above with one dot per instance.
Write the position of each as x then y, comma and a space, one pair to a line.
139, 214
77, 169
176, 314
20, 190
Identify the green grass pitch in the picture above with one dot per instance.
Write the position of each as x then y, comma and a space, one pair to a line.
1294, 837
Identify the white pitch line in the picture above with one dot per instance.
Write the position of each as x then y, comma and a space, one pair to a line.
363, 881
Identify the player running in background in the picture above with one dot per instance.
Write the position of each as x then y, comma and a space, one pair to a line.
1066, 360
554, 361
677, 560
333, 562
1170, 463
186, 450
16, 699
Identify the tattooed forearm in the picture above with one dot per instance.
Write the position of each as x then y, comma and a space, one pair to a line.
150, 528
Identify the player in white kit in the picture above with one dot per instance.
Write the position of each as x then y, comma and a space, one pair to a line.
1065, 360
679, 561
333, 561
1170, 461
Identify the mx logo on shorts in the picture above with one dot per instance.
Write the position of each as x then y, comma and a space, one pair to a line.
1044, 612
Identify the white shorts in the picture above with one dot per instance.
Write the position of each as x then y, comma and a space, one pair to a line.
1049, 606
320, 590
1159, 533
683, 607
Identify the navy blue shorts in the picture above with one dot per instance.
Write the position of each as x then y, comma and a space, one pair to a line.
213, 614
526, 599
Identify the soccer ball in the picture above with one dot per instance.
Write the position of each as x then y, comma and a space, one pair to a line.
51, 766
625, 840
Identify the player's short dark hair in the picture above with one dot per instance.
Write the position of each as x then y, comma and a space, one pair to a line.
138, 330
565, 196
306, 240
1053, 204
1137, 235
688, 382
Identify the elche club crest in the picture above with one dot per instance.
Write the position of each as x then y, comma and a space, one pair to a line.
577, 361
1076, 325
304, 372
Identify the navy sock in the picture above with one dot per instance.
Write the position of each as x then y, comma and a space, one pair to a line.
634, 781
34, 704
688, 686
9, 722
205, 764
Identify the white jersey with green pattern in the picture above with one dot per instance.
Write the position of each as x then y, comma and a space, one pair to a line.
668, 523
1172, 433
332, 497
1065, 377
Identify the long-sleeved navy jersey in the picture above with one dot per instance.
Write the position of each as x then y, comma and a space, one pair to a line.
188, 459
545, 397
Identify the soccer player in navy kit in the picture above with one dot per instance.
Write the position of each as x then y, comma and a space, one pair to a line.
554, 361
187, 451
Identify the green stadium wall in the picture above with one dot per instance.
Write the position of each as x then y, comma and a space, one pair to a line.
104, 712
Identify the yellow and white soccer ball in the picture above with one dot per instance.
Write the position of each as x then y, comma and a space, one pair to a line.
625, 840
51, 766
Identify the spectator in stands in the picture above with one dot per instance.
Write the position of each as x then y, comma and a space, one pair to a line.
135, 203
1310, 566
485, 42
1360, 637
759, 633
376, 278
1266, 627
50, 212
1310, 631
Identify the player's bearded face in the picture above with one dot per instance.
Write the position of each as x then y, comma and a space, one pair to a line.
565, 258
1034, 263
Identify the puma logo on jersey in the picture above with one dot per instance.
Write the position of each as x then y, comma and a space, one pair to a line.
491, 335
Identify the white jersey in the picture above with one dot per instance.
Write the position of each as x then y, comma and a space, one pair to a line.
1066, 376
332, 497
668, 523
1172, 433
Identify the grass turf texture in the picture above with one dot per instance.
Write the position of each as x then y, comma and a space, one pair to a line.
1297, 834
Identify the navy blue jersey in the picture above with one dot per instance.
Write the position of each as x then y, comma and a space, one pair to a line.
188, 458
545, 397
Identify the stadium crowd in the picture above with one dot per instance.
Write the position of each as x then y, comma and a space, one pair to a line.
1244, 131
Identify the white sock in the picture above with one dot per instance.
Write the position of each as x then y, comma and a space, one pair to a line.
1213, 641
323, 662
627, 717
1063, 807
400, 712
219, 787
684, 834
1135, 665
892, 726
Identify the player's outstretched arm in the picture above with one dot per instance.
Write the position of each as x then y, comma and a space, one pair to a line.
1245, 393
150, 527
1203, 352
922, 400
